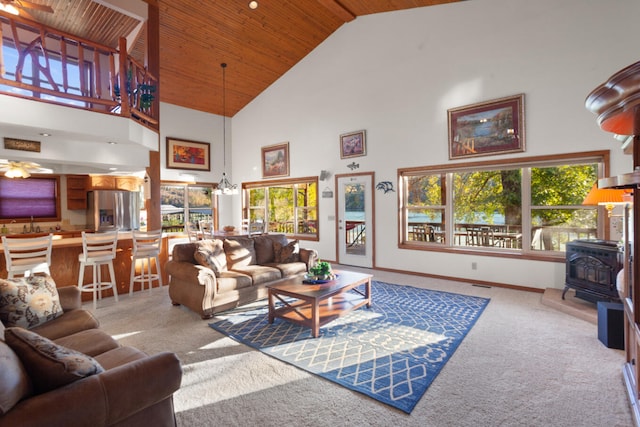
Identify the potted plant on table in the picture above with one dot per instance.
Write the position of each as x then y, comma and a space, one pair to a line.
321, 271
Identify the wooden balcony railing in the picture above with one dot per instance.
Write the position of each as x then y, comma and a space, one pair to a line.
48, 65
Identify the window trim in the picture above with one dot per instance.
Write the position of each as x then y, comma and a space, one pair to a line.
279, 182
600, 156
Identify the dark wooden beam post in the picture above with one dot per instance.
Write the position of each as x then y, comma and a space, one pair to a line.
154, 216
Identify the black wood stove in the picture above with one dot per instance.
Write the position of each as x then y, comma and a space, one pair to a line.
591, 269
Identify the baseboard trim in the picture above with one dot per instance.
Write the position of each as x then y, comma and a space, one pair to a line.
464, 280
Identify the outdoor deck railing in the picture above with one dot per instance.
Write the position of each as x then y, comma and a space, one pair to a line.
542, 238
58, 67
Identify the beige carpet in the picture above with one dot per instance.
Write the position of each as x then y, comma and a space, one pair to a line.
522, 364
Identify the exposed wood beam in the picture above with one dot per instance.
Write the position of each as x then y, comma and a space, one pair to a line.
338, 9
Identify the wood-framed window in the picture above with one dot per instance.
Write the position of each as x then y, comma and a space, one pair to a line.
288, 206
186, 202
531, 206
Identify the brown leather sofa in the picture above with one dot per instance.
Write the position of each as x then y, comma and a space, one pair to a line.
235, 272
133, 389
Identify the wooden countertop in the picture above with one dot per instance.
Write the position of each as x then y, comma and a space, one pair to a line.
62, 239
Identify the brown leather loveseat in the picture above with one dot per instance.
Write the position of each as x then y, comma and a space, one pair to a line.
67, 372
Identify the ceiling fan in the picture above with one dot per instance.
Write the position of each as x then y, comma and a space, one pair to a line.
17, 7
13, 169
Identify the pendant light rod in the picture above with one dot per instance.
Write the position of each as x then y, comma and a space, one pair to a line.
224, 118
224, 186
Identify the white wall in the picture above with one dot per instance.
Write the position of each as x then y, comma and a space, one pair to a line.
396, 74
184, 123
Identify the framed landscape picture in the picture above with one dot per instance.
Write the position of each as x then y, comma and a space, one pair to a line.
275, 160
184, 154
353, 144
486, 128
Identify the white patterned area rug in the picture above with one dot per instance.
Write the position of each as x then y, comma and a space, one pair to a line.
390, 352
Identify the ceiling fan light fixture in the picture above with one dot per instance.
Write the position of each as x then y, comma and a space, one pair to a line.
16, 169
17, 172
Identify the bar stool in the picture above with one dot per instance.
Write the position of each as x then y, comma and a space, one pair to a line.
206, 229
193, 231
146, 246
27, 255
98, 249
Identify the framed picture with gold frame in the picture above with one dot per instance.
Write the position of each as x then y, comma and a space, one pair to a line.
487, 128
185, 154
275, 160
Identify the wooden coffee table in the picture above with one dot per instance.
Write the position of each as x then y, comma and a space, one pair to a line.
318, 304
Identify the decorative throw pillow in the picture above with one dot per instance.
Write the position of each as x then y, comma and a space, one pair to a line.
210, 253
48, 364
287, 253
14, 381
240, 252
264, 249
29, 301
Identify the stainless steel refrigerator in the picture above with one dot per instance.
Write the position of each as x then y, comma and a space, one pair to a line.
113, 210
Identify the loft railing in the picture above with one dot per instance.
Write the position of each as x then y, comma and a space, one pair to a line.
41, 63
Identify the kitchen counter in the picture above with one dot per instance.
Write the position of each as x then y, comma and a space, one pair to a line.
65, 266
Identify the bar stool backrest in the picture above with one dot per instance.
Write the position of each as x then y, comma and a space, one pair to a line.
146, 242
27, 254
99, 245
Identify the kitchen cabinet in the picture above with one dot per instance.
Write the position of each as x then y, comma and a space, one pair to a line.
128, 183
111, 182
76, 192
101, 182
78, 185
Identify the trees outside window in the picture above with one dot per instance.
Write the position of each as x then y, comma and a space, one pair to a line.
288, 206
185, 202
534, 205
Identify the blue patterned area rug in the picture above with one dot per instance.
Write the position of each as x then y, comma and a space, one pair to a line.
391, 352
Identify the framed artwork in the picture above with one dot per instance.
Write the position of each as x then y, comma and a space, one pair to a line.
275, 160
353, 144
486, 128
184, 154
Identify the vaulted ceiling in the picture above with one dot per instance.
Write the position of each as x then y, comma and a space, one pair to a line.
259, 45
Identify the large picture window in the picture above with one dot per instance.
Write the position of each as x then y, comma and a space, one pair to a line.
288, 206
531, 205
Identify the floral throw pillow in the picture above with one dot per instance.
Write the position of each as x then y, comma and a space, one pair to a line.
287, 253
29, 301
48, 364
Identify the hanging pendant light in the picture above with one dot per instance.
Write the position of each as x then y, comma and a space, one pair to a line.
225, 186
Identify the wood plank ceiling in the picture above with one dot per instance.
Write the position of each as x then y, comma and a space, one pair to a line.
197, 36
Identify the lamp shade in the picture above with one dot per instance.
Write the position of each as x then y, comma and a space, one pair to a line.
603, 196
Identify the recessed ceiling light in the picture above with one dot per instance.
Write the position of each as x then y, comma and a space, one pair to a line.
113, 169
253, 5
45, 134
112, 143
